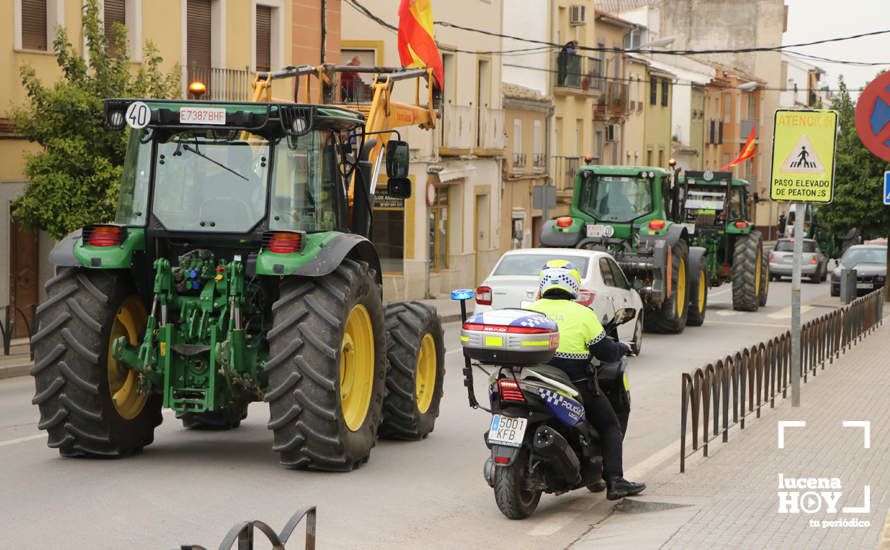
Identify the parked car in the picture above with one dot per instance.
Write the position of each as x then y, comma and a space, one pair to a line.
870, 263
604, 288
814, 264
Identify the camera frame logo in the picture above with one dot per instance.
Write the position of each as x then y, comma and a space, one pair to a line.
814, 495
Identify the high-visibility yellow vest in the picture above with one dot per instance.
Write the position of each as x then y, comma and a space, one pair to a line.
578, 326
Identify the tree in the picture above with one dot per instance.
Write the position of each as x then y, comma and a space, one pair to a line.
74, 179
858, 176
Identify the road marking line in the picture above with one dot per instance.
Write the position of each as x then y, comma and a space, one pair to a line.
719, 292
728, 313
22, 439
785, 313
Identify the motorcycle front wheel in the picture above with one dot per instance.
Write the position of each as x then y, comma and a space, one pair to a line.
514, 497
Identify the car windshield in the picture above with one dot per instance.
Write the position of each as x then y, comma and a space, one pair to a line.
788, 246
210, 180
531, 264
856, 256
616, 198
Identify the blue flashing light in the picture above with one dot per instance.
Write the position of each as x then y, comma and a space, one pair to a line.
196, 285
193, 274
463, 294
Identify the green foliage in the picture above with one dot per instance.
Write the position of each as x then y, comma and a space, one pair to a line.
75, 179
859, 180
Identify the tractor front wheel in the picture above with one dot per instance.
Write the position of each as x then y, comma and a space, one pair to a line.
747, 269
326, 368
671, 316
416, 355
90, 404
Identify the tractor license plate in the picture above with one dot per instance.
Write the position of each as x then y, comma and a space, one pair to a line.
202, 115
597, 231
506, 430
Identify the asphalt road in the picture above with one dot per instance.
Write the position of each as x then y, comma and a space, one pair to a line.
191, 487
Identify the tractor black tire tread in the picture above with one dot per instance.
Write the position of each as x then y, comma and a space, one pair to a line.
696, 318
71, 379
507, 480
765, 278
744, 271
305, 413
406, 325
664, 320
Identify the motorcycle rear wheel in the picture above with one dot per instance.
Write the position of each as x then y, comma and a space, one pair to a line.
514, 499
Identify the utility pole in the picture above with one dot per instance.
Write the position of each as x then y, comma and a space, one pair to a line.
799, 219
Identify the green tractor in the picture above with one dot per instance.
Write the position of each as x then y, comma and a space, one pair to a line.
238, 269
715, 212
628, 211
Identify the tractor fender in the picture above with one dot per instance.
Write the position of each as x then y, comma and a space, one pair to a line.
660, 246
551, 238
697, 258
336, 250
62, 255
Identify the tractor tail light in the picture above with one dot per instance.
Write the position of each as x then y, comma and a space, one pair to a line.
656, 225
586, 297
509, 390
814, 261
772, 258
283, 242
483, 296
103, 235
564, 222
741, 225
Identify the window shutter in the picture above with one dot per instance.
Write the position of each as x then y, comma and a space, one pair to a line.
115, 12
263, 38
34, 25
199, 35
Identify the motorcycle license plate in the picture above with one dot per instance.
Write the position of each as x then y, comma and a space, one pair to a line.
506, 430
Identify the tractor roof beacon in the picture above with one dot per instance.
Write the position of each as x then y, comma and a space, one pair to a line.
239, 268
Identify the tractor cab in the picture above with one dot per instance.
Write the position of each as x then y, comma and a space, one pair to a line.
715, 202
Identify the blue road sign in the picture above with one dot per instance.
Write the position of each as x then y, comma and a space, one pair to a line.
887, 188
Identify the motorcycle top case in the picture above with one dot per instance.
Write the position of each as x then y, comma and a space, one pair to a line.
511, 336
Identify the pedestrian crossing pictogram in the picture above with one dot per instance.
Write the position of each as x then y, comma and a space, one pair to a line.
803, 158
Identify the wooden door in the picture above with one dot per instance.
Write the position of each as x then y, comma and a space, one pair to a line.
23, 269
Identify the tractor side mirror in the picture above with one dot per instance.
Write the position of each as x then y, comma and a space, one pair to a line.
397, 159
399, 188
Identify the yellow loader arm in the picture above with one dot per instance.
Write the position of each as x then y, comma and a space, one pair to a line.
381, 114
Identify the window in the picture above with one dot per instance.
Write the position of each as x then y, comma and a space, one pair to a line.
727, 102
579, 137
615, 198
525, 264
114, 11
198, 38
665, 90
618, 275
606, 271
649, 157
36, 22
438, 239
263, 38
653, 91
661, 157
448, 68
599, 145
538, 145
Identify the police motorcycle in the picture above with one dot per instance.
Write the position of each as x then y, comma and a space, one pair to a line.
539, 437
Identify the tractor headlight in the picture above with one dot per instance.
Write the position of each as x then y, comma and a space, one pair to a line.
116, 119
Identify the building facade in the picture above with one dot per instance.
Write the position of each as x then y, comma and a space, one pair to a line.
448, 233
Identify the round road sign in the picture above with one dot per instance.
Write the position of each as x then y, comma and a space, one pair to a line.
873, 116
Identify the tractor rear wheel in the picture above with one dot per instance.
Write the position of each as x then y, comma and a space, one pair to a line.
326, 368
671, 316
89, 404
747, 268
416, 355
765, 278
698, 296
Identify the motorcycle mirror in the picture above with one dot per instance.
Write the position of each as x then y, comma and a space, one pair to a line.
627, 314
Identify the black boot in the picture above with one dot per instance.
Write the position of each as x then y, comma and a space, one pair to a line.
618, 487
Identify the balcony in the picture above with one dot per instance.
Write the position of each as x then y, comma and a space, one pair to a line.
564, 172
466, 129
223, 84
613, 103
578, 74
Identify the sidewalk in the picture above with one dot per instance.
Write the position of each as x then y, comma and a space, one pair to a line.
731, 499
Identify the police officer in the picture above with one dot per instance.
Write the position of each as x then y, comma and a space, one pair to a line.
581, 337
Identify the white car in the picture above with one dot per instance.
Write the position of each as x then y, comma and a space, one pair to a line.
604, 288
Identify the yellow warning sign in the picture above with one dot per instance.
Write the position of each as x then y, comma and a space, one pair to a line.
803, 156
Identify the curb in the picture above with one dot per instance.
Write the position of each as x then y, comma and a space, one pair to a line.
12, 371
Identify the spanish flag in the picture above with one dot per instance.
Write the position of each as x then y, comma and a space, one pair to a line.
747, 152
417, 47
